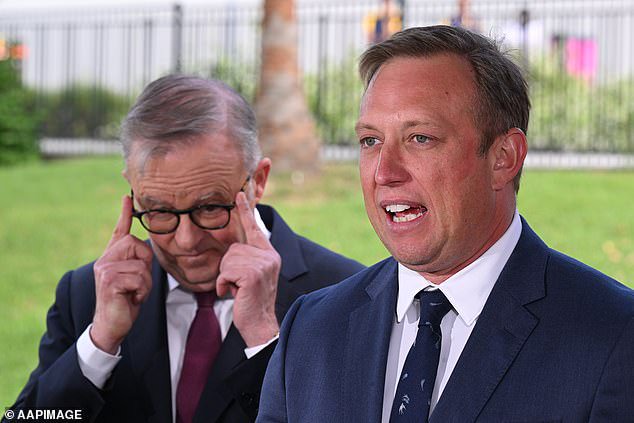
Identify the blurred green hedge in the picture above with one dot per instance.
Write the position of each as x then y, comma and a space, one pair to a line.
18, 118
82, 111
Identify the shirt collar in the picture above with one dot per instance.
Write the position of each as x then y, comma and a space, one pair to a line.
260, 222
468, 289
172, 283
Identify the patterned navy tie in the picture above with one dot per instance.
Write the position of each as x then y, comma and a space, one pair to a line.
416, 385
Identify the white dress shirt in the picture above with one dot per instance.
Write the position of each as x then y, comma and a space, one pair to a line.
467, 291
180, 309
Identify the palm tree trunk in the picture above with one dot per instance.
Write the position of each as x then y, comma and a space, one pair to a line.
286, 126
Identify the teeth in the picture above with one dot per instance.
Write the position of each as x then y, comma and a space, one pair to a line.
395, 208
406, 218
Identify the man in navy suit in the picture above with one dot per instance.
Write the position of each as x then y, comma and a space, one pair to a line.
180, 328
512, 330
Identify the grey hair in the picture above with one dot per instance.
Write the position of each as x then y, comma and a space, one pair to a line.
502, 100
177, 109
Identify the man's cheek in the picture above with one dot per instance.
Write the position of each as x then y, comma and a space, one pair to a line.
160, 248
231, 234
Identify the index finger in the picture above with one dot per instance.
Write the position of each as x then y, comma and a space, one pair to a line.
125, 221
254, 234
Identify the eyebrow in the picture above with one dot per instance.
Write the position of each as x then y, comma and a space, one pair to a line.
362, 125
151, 202
406, 125
207, 196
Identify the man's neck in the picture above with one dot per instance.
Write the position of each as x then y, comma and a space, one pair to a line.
496, 237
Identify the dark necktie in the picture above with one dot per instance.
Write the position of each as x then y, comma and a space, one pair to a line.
203, 344
416, 384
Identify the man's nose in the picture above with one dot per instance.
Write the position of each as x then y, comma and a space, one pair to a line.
390, 168
187, 234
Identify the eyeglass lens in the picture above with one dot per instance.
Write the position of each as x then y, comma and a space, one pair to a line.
208, 217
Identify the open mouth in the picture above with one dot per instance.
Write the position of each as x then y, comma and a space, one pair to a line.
404, 213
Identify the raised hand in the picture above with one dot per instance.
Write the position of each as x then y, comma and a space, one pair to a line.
250, 271
122, 282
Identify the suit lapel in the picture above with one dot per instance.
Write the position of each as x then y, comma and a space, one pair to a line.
230, 355
287, 245
216, 397
501, 331
147, 342
367, 343
497, 338
148, 351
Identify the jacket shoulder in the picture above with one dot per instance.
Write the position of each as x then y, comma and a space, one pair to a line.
599, 289
305, 264
328, 261
79, 281
75, 293
347, 292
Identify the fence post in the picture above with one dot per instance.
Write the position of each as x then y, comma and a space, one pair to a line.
148, 45
322, 68
177, 38
524, 18
401, 4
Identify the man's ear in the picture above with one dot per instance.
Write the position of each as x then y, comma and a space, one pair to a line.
260, 177
507, 155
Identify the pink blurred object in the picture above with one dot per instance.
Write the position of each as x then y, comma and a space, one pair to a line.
581, 58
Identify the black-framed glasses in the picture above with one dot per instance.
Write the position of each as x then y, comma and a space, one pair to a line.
206, 216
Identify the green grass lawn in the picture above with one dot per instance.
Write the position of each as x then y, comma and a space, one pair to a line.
58, 215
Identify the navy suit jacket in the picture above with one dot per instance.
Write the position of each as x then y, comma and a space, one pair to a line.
139, 388
554, 342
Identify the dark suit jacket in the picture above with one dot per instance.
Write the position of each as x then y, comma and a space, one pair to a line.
139, 388
554, 342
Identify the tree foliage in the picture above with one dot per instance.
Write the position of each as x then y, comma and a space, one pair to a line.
18, 120
573, 114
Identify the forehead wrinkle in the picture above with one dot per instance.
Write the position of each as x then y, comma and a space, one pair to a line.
416, 112
151, 201
396, 72
208, 187
173, 188
187, 172
188, 180
408, 124
363, 125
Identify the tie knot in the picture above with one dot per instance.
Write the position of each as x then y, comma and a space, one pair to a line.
205, 299
433, 307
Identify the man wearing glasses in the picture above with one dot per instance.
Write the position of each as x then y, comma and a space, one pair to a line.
180, 328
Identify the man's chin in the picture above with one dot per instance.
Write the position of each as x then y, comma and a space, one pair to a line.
203, 285
197, 280
411, 258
